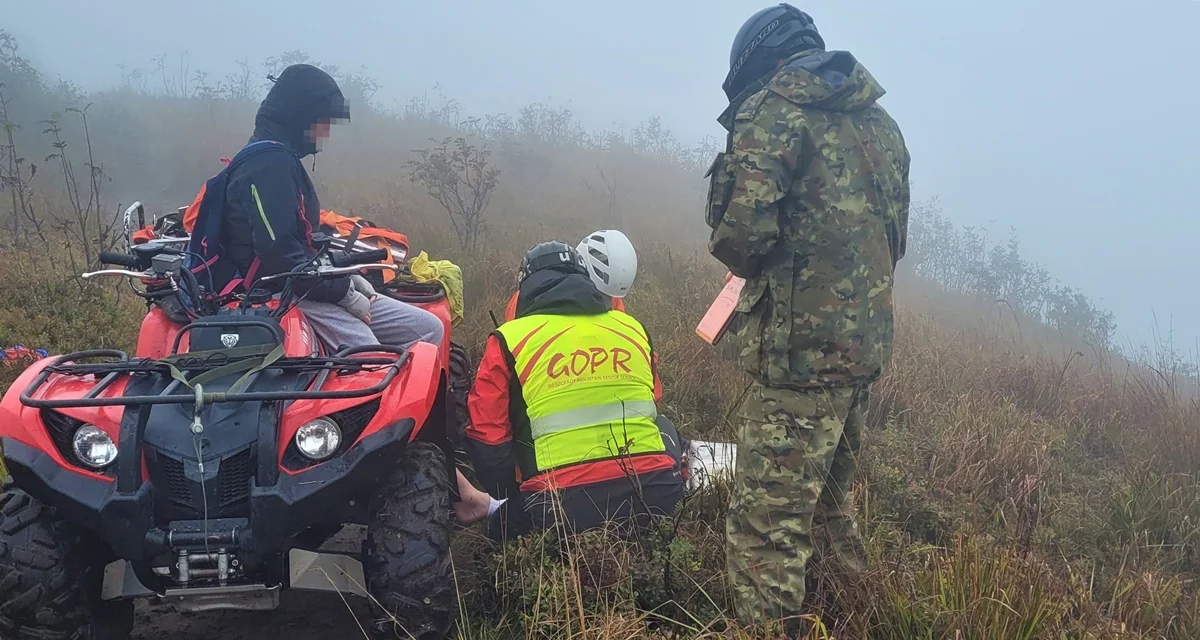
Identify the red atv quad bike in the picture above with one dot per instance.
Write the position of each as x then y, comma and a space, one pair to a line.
209, 468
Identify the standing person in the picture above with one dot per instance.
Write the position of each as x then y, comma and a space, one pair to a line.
564, 409
256, 218
809, 203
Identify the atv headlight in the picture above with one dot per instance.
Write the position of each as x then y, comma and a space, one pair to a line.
93, 447
319, 439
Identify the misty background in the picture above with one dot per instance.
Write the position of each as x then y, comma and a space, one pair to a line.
1076, 124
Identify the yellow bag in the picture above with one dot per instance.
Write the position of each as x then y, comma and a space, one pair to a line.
448, 274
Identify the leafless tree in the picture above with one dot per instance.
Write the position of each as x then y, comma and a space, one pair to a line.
15, 177
88, 229
458, 176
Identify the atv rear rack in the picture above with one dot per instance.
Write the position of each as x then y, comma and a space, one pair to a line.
341, 361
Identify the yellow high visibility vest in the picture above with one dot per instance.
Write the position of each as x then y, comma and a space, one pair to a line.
588, 387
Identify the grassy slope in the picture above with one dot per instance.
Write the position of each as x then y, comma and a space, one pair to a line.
1010, 488
1006, 493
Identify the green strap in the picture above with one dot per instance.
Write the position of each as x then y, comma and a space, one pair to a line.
248, 365
256, 359
176, 373
238, 352
267, 361
241, 352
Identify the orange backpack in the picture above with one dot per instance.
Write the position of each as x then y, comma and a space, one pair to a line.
193, 210
394, 241
149, 232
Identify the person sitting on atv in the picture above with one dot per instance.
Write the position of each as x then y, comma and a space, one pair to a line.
611, 262
257, 217
563, 408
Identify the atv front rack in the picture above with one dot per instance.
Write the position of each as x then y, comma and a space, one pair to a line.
108, 372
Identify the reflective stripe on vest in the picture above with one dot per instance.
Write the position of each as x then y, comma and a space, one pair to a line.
588, 416
588, 387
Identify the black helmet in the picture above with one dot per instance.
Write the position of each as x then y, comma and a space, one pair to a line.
549, 255
769, 35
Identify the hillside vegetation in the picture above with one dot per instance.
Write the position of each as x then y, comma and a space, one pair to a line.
1020, 480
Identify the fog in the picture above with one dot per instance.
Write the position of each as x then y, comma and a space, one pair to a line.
1075, 123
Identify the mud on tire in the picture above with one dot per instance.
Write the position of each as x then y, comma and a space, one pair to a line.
408, 549
48, 590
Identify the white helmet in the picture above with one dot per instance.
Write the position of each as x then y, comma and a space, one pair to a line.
611, 261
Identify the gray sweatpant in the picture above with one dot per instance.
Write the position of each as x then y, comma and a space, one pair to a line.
393, 323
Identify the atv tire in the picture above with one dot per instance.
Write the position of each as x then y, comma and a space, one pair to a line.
461, 376
48, 589
407, 549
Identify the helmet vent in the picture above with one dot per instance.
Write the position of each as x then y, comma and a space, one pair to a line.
600, 256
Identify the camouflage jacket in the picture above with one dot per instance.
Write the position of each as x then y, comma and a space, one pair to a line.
809, 203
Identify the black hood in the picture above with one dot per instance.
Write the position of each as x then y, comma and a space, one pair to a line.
555, 292
302, 96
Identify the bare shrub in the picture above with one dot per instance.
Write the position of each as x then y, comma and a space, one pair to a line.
458, 176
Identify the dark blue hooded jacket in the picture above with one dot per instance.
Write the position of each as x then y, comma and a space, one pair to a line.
269, 208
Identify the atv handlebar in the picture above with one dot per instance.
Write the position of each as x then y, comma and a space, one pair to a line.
321, 272
169, 240
119, 259
326, 272
140, 275
355, 268
158, 261
348, 259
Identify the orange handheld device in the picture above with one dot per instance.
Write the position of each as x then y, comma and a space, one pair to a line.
716, 320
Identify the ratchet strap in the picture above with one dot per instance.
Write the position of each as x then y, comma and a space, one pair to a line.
250, 360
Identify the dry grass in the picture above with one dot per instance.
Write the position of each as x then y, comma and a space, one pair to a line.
1014, 485
1005, 494
1008, 491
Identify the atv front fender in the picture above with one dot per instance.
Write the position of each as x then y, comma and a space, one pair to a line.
125, 520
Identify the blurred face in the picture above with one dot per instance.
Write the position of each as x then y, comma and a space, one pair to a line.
318, 132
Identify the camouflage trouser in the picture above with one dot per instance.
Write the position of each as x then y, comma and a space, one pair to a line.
795, 450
